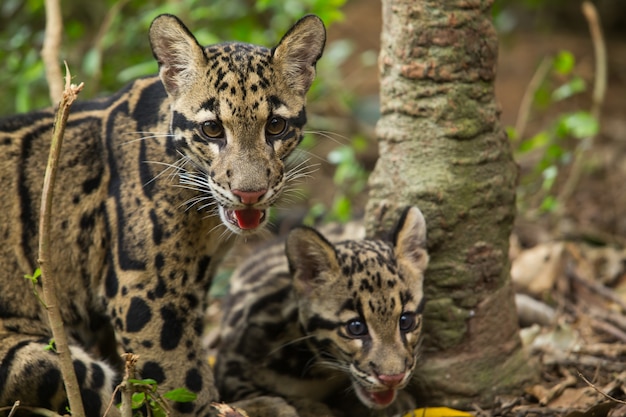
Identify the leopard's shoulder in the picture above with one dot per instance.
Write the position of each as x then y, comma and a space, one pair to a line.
155, 184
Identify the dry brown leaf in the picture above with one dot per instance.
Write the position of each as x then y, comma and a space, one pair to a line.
535, 270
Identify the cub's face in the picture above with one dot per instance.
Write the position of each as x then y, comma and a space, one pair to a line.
238, 111
362, 302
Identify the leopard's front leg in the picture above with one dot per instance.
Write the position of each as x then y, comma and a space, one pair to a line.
164, 325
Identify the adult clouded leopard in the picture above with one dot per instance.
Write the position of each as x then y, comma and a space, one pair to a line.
150, 180
324, 322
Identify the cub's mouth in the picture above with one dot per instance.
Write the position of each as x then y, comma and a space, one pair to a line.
244, 220
375, 399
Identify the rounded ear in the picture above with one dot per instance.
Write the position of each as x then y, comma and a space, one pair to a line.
177, 51
309, 255
298, 51
409, 238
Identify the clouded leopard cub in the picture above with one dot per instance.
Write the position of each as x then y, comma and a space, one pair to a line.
151, 180
325, 322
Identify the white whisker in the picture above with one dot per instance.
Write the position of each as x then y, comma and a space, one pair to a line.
333, 136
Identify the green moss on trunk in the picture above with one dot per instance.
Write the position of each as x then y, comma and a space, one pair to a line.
442, 148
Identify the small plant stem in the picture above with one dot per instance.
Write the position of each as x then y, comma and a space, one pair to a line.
127, 387
47, 279
599, 90
527, 101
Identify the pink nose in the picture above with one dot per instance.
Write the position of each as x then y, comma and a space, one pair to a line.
249, 197
391, 380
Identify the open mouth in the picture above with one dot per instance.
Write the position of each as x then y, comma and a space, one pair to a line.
245, 219
376, 399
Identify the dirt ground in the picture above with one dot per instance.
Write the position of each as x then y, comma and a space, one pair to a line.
570, 267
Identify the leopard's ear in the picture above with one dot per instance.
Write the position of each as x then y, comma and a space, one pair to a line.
409, 239
311, 257
298, 51
177, 51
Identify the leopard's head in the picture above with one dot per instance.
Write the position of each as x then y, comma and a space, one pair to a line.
238, 111
361, 304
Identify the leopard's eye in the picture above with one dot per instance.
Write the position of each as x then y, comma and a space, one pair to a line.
275, 126
408, 322
213, 129
356, 328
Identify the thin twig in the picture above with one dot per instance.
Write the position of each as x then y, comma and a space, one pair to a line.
16, 404
598, 390
527, 101
30, 410
47, 279
98, 44
597, 288
50, 49
599, 90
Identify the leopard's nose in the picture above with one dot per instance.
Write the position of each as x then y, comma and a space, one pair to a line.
249, 197
391, 380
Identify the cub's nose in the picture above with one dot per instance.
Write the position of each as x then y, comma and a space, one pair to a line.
249, 197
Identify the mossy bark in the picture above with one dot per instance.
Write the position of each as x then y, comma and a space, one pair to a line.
443, 149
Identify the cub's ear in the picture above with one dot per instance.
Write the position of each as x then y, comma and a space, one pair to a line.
298, 51
409, 239
310, 257
177, 51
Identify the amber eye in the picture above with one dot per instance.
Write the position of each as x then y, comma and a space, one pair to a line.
213, 129
275, 126
356, 328
408, 322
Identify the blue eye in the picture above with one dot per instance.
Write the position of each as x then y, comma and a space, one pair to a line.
356, 328
408, 322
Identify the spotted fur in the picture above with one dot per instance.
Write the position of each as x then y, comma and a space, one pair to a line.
325, 322
155, 183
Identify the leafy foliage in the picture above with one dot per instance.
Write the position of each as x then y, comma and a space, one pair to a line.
106, 44
146, 395
556, 144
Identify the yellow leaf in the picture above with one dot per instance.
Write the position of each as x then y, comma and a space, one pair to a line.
437, 412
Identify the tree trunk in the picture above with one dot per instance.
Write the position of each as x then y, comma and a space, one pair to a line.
443, 149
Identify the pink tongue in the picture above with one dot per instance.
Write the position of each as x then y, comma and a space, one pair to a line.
383, 397
248, 218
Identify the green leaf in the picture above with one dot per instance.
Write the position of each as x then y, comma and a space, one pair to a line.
33, 277
549, 175
579, 125
564, 62
542, 97
340, 155
180, 395
146, 381
50, 347
342, 208
539, 140
549, 204
511, 132
574, 86
92, 62
138, 399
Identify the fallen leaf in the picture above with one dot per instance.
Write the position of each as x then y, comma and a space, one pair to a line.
438, 412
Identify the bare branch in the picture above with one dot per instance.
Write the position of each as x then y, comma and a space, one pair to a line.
47, 279
599, 90
50, 49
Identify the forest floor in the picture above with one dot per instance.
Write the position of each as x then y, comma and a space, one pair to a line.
569, 265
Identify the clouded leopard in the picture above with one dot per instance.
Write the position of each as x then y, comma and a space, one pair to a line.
151, 180
323, 323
